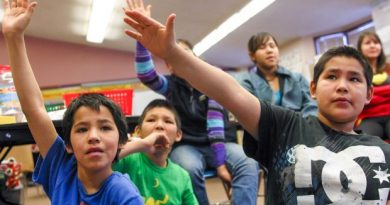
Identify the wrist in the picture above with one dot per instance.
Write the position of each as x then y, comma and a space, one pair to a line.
221, 167
144, 145
10, 35
13, 38
175, 55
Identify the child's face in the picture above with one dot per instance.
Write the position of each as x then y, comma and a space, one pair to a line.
94, 138
371, 48
160, 119
267, 55
341, 91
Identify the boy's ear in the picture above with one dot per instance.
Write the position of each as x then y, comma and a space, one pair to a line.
179, 135
120, 146
370, 92
69, 149
137, 130
313, 90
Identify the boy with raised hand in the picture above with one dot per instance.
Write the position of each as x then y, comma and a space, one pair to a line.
75, 169
156, 176
311, 160
208, 140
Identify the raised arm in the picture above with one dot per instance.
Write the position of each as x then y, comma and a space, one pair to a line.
144, 66
146, 72
216, 134
218, 85
148, 144
16, 19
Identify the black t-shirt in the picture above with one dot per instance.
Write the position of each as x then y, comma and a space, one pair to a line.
309, 163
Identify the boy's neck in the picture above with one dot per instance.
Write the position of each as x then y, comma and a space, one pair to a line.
346, 127
93, 180
159, 160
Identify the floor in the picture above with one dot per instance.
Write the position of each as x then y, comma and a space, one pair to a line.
36, 196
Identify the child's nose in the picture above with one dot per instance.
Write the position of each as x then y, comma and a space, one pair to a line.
342, 85
160, 125
93, 136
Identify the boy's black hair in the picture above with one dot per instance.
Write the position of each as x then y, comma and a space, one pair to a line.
94, 101
163, 104
259, 39
381, 61
343, 51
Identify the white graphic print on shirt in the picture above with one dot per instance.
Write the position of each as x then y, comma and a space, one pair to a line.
335, 164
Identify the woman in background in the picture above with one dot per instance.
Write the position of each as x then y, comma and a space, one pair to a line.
375, 117
272, 83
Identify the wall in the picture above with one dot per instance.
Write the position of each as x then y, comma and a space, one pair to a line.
59, 64
298, 56
381, 17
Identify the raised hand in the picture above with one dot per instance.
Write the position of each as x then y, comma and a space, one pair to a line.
154, 142
138, 5
157, 141
17, 16
157, 38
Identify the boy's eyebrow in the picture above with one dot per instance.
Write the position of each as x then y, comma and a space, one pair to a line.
163, 116
332, 70
100, 121
105, 121
337, 70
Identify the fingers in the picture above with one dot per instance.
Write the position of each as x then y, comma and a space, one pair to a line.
6, 5
139, 3
19, 3
25, 3
135, 25
133, 34
31, 7
13, 4
170, 25
149, 9
130, 4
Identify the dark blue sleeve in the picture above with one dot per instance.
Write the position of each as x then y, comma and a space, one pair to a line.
53, 167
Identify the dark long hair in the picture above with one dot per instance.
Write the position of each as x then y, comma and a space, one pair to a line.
381, 61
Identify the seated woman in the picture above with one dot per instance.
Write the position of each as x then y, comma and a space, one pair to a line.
272, 83
375, 118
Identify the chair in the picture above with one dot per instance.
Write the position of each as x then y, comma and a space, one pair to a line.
212, 173
263, 173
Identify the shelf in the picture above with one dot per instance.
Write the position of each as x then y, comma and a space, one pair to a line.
19, 133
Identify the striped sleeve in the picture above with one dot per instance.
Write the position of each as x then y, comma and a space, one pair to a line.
146, 72
216, 131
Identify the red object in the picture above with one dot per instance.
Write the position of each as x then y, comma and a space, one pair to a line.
124, 98
379, 105
12, 170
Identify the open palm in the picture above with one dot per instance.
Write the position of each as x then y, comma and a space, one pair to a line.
138, 5
17, 16
157, 38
